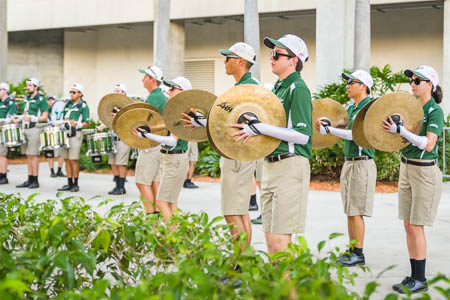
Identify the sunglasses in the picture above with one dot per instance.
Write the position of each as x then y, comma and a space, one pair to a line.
230, 56
73, 92
350, 82
277, 55
175, 87
417, 80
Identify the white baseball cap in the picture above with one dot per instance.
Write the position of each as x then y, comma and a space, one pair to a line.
79, 87
33, 81
425, 72
179, 82
154, 72
242, 50
360, 75
291, 42
122, 87
5, 86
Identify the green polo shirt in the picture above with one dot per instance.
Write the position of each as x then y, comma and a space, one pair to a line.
77, 112
37, 105
7, 108
296, 99
247, 79
157, 99
351, 149
433, 121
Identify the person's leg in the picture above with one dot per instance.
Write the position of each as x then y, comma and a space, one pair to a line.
147, 196
69, 169
51, 164
237, 227
191, 169
279, 242
248, 227
268, 236
115, 170
165, 209
122, 171
358, 229
3, 164
30, 164
60, 166
35, 165
75, 169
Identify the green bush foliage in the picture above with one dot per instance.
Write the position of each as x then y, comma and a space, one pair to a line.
63, 249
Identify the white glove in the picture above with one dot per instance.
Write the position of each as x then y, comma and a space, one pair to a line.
34, 119
79, 125
199, 120
323, 130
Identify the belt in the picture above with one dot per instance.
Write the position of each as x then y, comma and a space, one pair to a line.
418, 163
31, 125
355, 158
165, 151
279, 157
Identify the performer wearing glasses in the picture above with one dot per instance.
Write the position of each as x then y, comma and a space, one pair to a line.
34, 119
76, 113
7, 110
359, 173
420, 182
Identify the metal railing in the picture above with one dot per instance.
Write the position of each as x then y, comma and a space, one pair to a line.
444, 171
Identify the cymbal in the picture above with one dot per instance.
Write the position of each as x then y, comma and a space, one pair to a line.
182, 103
230, 107
333, 111
134, 118
211, 142
358, 127
400, 103
131, 106
107, 104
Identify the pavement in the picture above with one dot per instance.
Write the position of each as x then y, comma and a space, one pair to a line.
384, 244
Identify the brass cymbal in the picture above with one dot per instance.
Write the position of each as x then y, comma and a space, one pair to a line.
134, 118
182, 103
400, 103
333, 111
132, 106
230, 107
211, 142
358, 127
107, 104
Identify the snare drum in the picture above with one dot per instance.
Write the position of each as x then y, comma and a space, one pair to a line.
12, 135
101, 144
54, 138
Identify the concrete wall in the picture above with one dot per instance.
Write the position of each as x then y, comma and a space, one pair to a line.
75, 13
37, 54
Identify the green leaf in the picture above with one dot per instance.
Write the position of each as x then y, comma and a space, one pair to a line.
370, 288
44, 234
103, 239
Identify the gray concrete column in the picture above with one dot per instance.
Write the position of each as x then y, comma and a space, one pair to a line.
445, 78
3, 40
176, 50
335, 31
362, 34
251, 32
161, 34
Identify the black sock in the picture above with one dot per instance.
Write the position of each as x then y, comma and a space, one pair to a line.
52, 170
69, 181
30, 178
2, 175
419, 273
116, 179
35, 179
75, 181
412, 261
187, 180
357, 251
253, 199
121, 182
59, 170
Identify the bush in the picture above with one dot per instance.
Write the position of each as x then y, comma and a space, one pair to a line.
63, 249
208, 162
328, 162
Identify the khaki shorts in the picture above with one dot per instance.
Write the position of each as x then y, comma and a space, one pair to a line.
358, 181
33, 138
259, 169
148, 166
419, 193
284, 195
236, 179
3, 150
121, 156
192, 151
56, 153
73, 153
174, 170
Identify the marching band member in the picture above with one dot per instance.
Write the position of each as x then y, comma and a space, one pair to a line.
34, 119
55, 112
174, 157
148, 168
359, 172
7, 110
286, 171
76, 114
420, 182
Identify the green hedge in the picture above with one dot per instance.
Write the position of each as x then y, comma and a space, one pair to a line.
63, 249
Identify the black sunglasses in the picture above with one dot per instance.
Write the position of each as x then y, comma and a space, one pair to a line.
73, 92
350, 82
175, 87
417, 80
230, 56
276, 55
